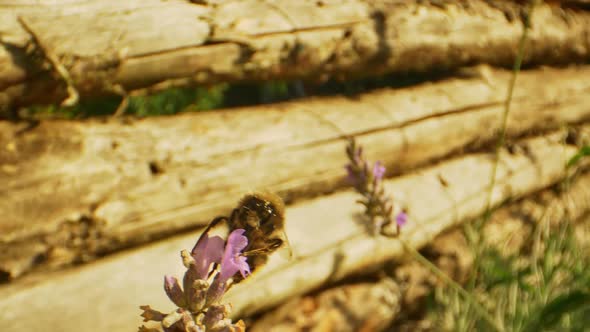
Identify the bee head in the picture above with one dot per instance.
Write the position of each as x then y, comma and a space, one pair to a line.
262, 211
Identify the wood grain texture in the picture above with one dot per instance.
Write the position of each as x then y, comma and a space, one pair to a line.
74, 190
142, 46
328, 241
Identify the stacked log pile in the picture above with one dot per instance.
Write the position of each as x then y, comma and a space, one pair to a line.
76, 191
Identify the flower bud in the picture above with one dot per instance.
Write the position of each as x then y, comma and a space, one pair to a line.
196, 295
187, 260
216, 318
174, 291
172, 318
151, 314
216, 290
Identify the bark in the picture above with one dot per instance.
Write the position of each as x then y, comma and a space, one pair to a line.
74, 190
326, 236
135, 47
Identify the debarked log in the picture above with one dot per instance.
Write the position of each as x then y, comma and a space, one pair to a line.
72, 190
136, 47
327, 239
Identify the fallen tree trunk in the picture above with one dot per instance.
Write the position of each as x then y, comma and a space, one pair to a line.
326, 237
73, 190
134, 47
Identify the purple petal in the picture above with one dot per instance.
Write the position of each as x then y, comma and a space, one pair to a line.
242, 263
236, 241
232, 261
401, 219
378, 171
210, 247
208, 250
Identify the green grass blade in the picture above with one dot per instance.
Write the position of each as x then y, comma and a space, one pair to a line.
583, 152
553, 311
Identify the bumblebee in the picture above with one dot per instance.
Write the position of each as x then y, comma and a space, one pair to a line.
262, 216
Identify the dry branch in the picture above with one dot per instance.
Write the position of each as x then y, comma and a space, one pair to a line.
72, 190
326, 237
122, 47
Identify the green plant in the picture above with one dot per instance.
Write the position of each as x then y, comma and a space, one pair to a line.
542, 287
166, 102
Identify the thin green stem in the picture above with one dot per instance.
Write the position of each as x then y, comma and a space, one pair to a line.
507, 103
502, 135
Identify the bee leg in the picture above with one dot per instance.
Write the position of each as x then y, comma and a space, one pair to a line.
272, 246
214, 223
233, 217
220, 219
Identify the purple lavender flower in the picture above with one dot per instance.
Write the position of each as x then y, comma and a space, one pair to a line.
231, 263
198, 303
356, 177
357, 168
367, 182
401, 219
207, 251
232, 260
378, 171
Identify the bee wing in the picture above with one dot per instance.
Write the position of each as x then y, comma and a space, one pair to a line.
217, 227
